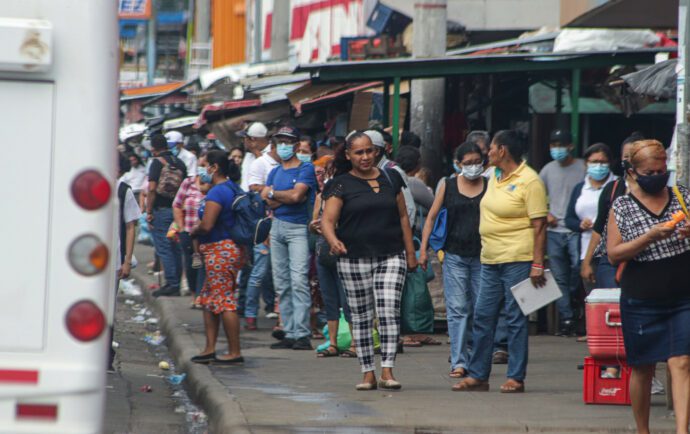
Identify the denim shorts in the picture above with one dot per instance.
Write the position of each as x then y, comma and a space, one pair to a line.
655, 330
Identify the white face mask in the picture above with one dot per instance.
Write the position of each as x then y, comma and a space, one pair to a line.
472, 171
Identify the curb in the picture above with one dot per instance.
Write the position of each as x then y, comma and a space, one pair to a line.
224, 412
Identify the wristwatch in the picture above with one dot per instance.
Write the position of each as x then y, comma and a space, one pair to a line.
270, 194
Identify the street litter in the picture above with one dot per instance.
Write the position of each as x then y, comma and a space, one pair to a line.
144, 311
177, 379
138, 318
129, 288
198, 416
164, 365
129, 302
154, 338
180, 409
115, 345
151, 321
146, 388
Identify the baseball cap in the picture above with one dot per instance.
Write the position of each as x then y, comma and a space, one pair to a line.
174, 137
376, 138
561, 136
257, 130
287, 132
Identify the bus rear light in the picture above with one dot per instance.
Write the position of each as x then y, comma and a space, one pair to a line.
18, 376
37, 411
90, 190
85, 321
88, 255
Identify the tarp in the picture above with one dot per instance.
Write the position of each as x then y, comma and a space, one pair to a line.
658, 80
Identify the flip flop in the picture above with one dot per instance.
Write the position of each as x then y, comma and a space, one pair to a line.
428, 340
328, 352
458, 373
408, 342
470, 384
348, 354
513, 386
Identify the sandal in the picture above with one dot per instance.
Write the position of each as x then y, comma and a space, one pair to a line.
409, 342
428, 340
513, 386
458, 373
328, 352
470, 384
349, 354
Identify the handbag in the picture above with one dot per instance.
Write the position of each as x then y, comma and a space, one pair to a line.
323, 253
437, 239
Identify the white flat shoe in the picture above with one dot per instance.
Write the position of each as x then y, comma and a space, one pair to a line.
365, 386
390, 384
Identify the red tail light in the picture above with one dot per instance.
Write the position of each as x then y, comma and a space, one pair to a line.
90, 190
37, 411
85, 321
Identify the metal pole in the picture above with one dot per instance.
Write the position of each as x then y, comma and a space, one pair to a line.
280, 30
396, 114
258, 31
575, 110
386, 104
682, 145
151, 48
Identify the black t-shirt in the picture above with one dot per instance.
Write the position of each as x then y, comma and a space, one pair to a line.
605, 203
369, 224
463, 220
665, 279
155, 174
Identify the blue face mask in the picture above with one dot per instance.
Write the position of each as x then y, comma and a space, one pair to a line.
598, 171
457, 168
203, 175
285, 151
174, 150
304, 158
559, 153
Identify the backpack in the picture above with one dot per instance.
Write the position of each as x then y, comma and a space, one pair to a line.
252, 226
170, 179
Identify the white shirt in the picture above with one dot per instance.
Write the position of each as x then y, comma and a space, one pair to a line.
136, 178
189, 160
249, 158
259, 170
586, 207
130, 213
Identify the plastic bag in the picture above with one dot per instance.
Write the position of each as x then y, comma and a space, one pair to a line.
144, 236
344, 336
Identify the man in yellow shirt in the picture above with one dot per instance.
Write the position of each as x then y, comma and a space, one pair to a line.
513, 231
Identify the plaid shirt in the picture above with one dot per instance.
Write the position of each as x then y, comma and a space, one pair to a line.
188, 199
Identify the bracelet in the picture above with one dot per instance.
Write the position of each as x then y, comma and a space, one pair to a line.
538, 266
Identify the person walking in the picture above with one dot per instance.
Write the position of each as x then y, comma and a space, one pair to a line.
461, 197
166, 174
560, 177
223, 259
289, 191
655, 290
512, 226
373, 240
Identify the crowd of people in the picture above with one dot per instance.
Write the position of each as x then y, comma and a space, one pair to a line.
350, 221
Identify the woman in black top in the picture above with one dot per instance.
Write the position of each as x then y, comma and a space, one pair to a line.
655, 297
373, 240
460, 196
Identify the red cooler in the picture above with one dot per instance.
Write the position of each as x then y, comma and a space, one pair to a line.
604, 332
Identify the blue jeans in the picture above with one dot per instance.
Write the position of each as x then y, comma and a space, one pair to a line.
290, 261
333, 293
606, 273
195, 276
460, 286
494, 289
257, 278
167, 250
563, 249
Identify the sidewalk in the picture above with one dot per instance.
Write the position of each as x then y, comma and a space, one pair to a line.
293, 391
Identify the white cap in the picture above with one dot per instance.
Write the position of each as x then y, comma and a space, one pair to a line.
174, 137
257, 129
376, 138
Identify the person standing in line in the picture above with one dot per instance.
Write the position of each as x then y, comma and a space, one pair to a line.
176, 143
237, 155
255, 141
584, 201
223, 259
460, 196
560, 177
655, 290
136, 176
166, 174
373, 240
289, 191
512, 226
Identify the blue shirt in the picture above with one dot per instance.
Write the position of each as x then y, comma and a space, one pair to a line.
285, 179
224, 196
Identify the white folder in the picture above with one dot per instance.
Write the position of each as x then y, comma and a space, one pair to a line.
531, 299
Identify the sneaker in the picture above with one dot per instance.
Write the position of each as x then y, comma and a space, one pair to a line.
302, 344
285, 344
196, 260
567, 329
278, 334
500, 357
271, 315
167, 291
657, 387
250, 324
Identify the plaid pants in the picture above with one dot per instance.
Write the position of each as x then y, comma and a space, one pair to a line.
374, 284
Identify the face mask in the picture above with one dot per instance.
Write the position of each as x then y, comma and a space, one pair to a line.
304, 158
174, 150
203, 175
559, 153
457, 168
652, 184
285, 151
598, 171
473, 171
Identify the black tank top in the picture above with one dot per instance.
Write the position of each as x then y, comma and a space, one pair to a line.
462, 229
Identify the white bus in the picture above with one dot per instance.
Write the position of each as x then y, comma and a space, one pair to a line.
58, 132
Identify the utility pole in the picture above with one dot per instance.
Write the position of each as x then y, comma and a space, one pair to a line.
682, 145
202, 21
280, 27
258, 31
151, 46
427, 96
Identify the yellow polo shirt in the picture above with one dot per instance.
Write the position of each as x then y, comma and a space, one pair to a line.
505, 216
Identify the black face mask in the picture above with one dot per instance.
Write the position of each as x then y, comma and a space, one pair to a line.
652, 184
